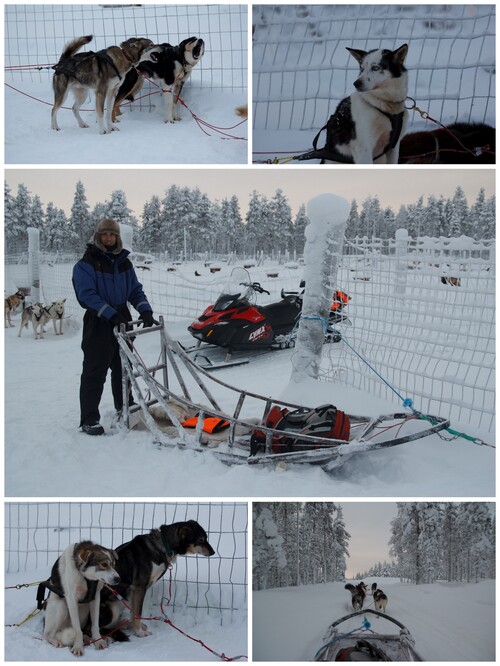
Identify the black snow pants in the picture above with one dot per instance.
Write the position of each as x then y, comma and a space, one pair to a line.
100, 353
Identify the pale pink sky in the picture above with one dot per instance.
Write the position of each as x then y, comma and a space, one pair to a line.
393, 186
368, 523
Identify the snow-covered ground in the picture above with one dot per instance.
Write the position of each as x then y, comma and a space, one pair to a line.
143, 137
47, 455
448, 621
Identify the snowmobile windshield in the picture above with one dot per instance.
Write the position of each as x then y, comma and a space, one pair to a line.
237, 289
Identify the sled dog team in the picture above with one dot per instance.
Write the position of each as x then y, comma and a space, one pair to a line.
117, 73
91, 586
358, 596
36, 313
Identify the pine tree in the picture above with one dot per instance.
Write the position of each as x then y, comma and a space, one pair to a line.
80, 220
268, 555
151, 238
299, 230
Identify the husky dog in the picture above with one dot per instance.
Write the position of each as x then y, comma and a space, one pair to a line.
171, 68
458, 143
368, 125
54, 311
101, 72
358, 594
379, 598
32, 313
11, 304
242, 111
143, 561
75, 587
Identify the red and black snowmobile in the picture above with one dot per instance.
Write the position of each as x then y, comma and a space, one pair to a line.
236, 323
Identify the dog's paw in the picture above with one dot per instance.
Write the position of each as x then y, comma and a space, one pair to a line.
177, 117
101, 644
83, 125
77, 649
142, 631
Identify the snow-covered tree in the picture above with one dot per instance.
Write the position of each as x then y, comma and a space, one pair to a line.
299, 229
268, 554
80, 220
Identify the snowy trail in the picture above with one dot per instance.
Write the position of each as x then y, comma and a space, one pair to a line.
449, 622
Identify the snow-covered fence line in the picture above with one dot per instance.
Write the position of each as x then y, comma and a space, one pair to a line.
36, 34
425, 319
302, 70
37, 533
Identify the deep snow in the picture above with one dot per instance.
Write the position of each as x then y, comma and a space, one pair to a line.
448, 621
46, 455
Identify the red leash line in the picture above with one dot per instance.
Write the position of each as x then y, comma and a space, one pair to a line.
196, 118
166, 620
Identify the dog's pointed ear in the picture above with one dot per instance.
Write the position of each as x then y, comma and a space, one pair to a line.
84, 555
400, 54
64, 300
357, 53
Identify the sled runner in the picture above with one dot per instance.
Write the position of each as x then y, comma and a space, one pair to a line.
368, 635
303, 435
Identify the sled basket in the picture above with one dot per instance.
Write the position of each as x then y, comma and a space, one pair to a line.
354, 638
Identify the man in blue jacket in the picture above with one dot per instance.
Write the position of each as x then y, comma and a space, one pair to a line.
105, 282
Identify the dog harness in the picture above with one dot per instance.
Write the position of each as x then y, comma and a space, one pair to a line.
396, 120
211, 425
62, 68
56, 588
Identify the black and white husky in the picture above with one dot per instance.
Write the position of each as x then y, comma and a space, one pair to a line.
368, 125
75, 585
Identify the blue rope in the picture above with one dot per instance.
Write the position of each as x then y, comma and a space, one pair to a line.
407, 402
366, 625
316, 318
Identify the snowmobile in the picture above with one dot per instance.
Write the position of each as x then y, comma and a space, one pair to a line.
236, 323
347, 640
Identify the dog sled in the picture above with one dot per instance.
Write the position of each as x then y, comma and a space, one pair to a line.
379, 637
179, 389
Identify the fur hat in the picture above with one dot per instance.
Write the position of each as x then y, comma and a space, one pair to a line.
112, 227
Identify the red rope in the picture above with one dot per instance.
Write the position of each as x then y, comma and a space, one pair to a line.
199, 121
166, 620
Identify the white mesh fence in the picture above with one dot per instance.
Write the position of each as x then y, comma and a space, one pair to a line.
302, 70
424, 319
36, 34
37, 533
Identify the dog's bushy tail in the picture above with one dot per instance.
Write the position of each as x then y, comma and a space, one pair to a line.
350, 587
75, 45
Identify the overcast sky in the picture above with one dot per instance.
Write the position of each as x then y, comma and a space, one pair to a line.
368, 523
393, 186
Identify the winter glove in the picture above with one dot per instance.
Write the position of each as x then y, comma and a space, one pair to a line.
118, 319
147, 318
